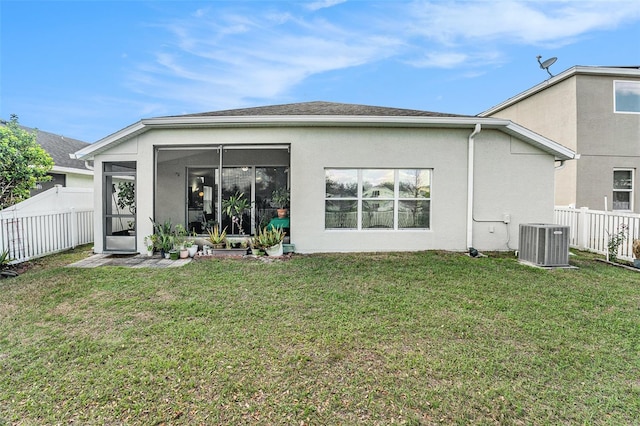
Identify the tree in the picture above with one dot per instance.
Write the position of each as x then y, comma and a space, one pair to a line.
23, 163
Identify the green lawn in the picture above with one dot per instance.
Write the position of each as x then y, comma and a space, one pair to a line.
402, 338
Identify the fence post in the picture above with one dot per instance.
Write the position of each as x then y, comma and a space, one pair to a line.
583, 228
74, 227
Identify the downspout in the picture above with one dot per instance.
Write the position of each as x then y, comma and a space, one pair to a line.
562, 162
470, 162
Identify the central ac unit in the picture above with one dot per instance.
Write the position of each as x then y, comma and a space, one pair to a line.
544, 244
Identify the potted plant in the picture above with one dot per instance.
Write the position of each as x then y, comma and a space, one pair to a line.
192, 247
269, 240
150, 242
180, 241
174, 254
635, 248
280, 199
217, 238
165, 237
166, 245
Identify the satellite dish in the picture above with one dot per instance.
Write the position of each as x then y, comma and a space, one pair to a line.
546, 64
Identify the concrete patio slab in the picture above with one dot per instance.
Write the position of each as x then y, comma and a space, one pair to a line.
129, 261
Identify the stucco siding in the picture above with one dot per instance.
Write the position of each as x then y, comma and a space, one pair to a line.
509, 181
602, 132
510, 178
553, 113
444, 151
606, 139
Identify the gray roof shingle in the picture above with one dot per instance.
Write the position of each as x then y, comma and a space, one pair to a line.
322, 108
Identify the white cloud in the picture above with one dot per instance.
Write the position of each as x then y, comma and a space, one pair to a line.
218, 58
235, 57
440, 60
517, 22
322, 4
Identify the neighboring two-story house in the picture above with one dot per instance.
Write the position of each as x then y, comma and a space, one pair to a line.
595, 111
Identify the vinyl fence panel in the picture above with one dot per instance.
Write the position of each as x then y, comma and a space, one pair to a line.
592, 229
31, 235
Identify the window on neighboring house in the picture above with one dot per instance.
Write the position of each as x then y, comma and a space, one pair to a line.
627, 96
623, 189
377, 199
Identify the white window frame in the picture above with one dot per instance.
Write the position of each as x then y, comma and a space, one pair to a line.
395, 199
630, 191
615, 104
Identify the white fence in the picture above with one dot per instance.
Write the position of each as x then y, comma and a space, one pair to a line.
31, 235
592, 229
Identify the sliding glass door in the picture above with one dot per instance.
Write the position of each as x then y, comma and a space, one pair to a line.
237, 185
255, 185
202, 197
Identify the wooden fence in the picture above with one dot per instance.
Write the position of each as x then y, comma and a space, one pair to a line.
30, 235
592, 229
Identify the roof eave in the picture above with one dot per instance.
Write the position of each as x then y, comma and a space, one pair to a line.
180, 122
577, 70
72, 170
559, 151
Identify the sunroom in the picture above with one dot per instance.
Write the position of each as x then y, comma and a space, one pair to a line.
192, 186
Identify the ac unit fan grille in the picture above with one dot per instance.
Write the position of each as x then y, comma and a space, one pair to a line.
544, 244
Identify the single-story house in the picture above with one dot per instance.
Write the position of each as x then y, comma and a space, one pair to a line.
361, 178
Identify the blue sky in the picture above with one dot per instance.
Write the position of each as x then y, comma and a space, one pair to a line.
85, 69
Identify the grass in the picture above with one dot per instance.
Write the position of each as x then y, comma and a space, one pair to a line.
400, 338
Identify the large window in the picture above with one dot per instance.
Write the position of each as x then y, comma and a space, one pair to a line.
623, 189
627, 96
377, 199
